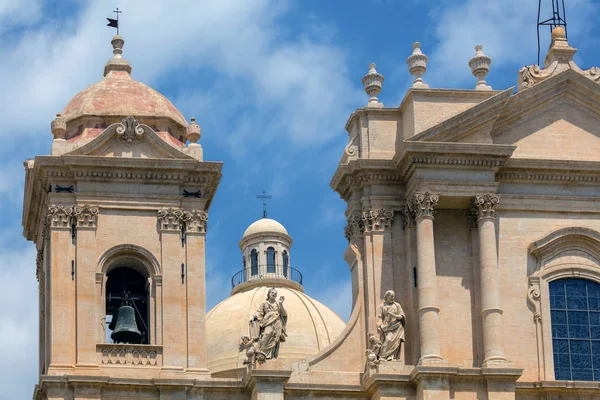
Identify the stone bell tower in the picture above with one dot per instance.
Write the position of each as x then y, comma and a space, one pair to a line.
118, 212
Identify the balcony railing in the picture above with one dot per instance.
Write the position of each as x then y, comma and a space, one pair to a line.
266, 271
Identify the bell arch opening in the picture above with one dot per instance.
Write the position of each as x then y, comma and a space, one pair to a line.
127, 306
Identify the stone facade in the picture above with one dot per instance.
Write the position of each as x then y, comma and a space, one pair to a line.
466, 203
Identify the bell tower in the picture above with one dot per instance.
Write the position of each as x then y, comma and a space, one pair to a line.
118, 212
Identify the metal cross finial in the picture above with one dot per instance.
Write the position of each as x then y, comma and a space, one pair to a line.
264, 196
114, 23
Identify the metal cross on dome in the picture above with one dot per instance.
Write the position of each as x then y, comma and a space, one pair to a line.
114, 23
264, 196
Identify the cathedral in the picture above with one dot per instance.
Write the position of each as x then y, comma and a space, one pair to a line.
473, 232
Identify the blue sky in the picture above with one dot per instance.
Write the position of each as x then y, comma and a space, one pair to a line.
271, 82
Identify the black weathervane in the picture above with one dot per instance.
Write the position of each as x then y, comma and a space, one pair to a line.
264, 196
114, 23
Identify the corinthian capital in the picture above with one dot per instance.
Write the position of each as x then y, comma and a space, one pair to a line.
355, 229
423, 204
85, 216
59, 216
195, 221
377, 220
484, 206
170, 219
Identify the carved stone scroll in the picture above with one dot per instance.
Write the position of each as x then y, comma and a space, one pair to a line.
170, 219
195, 221
129, 130
59, 216
86, 216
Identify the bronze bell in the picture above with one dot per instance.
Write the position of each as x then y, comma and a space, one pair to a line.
126, 330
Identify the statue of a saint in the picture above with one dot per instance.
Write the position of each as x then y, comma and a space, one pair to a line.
390, 325
267, 327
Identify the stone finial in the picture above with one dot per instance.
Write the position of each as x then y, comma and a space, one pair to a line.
58, 127
417, 65
117, 63
193, 131
373, 81
480, 66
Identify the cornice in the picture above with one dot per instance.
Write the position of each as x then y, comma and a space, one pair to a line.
549, 171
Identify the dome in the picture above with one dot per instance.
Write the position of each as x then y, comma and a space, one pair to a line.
120, 95
311, 327
116, 97
265, 225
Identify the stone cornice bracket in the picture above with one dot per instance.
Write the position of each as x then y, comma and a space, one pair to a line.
377, 220
195, 221
130, 130
422, 205
86, 216
170, 219
484, 206
534, 298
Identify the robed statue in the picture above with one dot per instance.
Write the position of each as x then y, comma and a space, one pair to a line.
266, 330
390, 326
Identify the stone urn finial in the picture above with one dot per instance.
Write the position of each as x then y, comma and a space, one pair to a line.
59, 127
117, 44
372, 82
193, 131
417, 65
480, 66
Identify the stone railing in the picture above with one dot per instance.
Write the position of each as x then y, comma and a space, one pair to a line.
130, 354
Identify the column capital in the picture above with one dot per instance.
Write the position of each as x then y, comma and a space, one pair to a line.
58, 216
423, 204
484, 206
64, 217
85, 216
195, 221
378, 220
354, 229
170, 219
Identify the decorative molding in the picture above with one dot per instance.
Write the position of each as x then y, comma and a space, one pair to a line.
484, 206
130, 354
351, 149
170, 219
195, 221
408, 219
65, 216
60, 216
377, 220
529, 176
455, 161
130, 130
177, 220
534, 297
86, 216
355, 229
423, 204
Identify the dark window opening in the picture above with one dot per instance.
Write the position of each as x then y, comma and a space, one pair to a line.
286, 263
127, 287
254, 262
271, 260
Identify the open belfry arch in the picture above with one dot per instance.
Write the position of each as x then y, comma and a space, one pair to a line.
473, 227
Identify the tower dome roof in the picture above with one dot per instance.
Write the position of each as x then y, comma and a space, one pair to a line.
265, 225
118, 96
311, 326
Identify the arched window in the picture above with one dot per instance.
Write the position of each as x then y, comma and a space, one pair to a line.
286, 263
575, 316
254, 262
127, 309
271, 260
245, 273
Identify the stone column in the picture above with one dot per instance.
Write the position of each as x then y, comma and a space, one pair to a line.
195, 228
61, 313
422, 206
266, 384
88, 317
174, 291
484, 209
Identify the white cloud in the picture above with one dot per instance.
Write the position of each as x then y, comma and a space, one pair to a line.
19, 323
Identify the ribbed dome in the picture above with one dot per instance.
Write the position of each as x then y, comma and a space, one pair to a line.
265, 225
311, 327
119, 95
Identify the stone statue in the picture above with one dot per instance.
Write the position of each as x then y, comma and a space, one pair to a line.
267, 329
390, 325
374, 350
